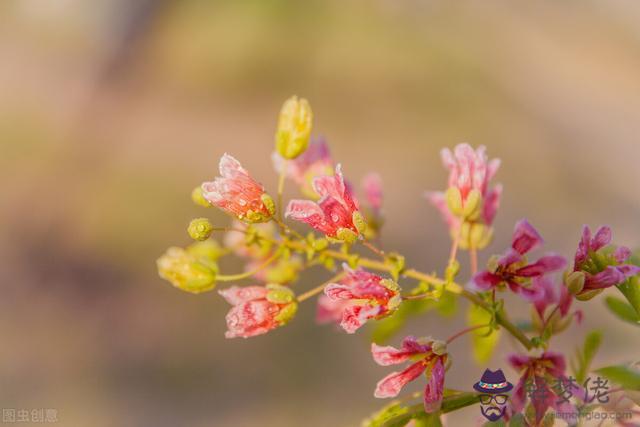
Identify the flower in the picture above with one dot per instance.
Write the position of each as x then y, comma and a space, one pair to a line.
258, 309
538, 376
316, 161
192, 269
294, 127
370, 296
470, 172
336, 214
554, 294
329, 310
513, 270
431, 357
602, 265
237, 193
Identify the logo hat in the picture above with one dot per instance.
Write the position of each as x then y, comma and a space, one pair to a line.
493, 382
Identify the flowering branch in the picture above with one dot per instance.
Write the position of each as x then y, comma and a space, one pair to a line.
369, 290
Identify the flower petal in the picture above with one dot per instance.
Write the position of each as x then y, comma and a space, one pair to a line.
485, 280
525, 237
601, 238
435, 388
391, 385
353, 317
236, 295
544, 265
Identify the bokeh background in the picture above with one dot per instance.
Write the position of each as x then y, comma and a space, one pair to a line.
112, 111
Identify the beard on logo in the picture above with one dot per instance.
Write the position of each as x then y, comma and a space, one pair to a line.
492, 413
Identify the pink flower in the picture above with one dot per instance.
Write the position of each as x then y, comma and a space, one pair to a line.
551, 293
237, 193
603, 266
257, 309
369, 296
469, 171
329, 310
539, 375
315, 161
335, 211
513, 270
425, 359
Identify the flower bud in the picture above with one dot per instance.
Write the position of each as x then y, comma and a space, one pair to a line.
472, 205
454, 200
587, 295
207, 251
200, 229
197, 196
279, 294
294, 128
575, 282
359, 222
439, 348
185, 271
346, 235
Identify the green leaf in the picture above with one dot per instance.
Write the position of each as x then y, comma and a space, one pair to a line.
483, 344
386, 413
585, 356
623, 310
447, 305
450, 403
626, 376
630, 288
517, 421
428, 420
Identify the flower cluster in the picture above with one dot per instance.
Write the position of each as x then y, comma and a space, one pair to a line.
374, 286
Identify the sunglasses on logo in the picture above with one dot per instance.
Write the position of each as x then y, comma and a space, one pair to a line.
500, 399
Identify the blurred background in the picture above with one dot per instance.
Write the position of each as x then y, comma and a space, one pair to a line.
112, 111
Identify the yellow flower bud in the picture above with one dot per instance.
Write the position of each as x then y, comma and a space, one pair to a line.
186, 271
454, 200
197, 197
294, 128
438, 347
200, 229
472, 206
575, 282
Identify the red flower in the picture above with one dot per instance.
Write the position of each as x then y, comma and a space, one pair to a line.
602, 265
431, 358
540, 377
513, 270
237, 193
336, 213
257, 310
369, 296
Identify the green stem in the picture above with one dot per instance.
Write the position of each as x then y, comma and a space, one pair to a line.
281, 179
320, 288
234, 277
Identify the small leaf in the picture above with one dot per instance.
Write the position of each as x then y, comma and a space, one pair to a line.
517, 421
585, 356
427, 420
447, 305
483, 344
626, 376
631, 287
622, 310
386, 413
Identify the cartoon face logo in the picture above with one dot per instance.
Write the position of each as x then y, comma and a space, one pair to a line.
493, 388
